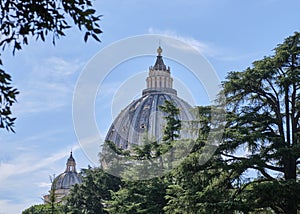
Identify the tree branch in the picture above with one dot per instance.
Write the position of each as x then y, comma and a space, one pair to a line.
263, 172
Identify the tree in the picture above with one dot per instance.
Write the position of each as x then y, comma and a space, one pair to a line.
172, 129
173, 126
139, 196
255, 169
141, 192
44, 209
91, 194
52, 196
263, 104
196, 187
147, 160
21, 19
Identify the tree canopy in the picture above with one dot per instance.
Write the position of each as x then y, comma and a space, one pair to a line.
263, 118
256, 167
90, 196
45, 209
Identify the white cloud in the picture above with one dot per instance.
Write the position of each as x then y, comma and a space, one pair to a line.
49, 86
28, 163
61, 66
24, 178
11, 207
204, 48
44, 184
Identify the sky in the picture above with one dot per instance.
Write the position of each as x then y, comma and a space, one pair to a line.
230, 34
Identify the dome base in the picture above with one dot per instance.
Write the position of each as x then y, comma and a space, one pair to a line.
160, 90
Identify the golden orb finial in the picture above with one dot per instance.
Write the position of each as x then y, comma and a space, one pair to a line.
159, 51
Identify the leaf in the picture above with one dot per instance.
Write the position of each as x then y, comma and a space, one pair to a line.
87, 34
89, 12
25, 41
97, 31
96, 37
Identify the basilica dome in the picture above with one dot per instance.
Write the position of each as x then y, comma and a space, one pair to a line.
69, 177
64, 181
143, 116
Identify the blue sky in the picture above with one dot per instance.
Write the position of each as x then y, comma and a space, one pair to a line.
229, 33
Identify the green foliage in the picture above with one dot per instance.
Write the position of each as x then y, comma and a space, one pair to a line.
274, 194
263, 116
146, 160
7, 99
197, 187
21, 20
146, 196
172, 129
139, 196
44, 209
139, 162
89, 196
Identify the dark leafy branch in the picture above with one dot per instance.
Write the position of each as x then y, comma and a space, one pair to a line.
7, 99
20, 20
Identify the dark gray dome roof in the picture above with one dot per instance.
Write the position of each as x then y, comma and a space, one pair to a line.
66, 180
143, 116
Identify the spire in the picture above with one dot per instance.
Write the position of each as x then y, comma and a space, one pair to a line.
71, 164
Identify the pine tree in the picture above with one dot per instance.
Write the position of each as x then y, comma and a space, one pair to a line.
172, 129
264, 110
90, 195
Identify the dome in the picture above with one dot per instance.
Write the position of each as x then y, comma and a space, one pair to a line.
144, 116
68, 178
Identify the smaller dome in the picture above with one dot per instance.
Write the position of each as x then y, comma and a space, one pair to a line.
66, 180
70, 177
